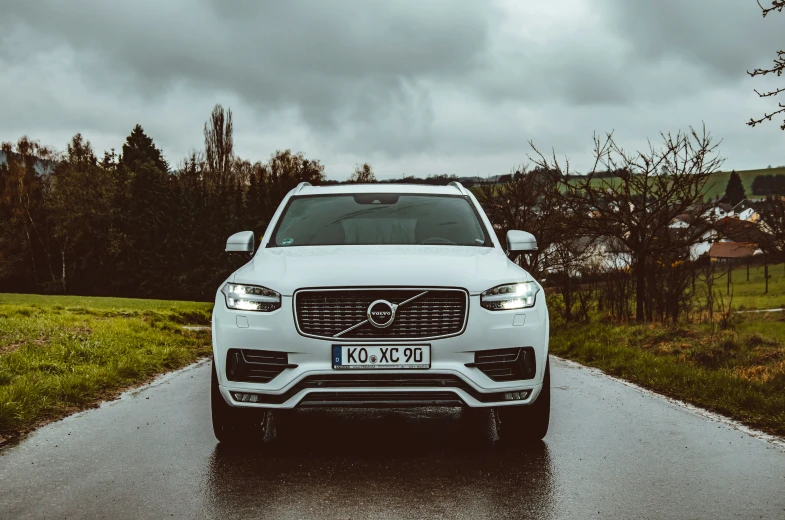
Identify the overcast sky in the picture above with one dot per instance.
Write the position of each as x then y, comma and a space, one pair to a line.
412, 86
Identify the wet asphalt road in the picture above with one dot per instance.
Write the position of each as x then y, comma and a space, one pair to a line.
612, 452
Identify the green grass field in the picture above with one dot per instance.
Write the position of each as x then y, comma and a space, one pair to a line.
95, 302
60, 354
751, 294
739, 372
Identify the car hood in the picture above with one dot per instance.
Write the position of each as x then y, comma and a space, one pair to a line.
287, 269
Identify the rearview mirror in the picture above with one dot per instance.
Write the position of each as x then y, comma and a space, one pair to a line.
520, 242
241, 243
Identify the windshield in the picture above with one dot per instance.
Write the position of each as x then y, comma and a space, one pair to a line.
377, 219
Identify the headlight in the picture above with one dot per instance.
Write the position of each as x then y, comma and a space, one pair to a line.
250, 297
510, 296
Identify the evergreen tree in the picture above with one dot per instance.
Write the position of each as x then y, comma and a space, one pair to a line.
80, 208
142, 173
734, 192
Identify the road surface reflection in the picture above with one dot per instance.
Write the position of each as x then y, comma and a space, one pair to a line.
381, 463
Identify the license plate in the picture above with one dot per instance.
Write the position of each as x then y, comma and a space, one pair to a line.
381, 356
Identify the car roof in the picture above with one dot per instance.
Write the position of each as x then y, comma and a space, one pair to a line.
338, 189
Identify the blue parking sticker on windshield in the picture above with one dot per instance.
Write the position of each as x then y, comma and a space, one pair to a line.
287, 241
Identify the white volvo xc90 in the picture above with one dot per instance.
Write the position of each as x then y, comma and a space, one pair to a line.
381, 296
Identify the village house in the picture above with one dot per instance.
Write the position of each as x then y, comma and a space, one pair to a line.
744, 210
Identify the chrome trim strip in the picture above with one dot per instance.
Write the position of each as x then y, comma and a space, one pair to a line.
380, 288
347, 330
412, 299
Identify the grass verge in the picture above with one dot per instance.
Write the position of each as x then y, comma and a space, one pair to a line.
60, 354
738, 373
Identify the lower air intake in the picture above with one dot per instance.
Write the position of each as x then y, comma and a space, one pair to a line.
381, 399
506, 364
255, 366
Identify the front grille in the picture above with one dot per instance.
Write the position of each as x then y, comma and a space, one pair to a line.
326, 313
255, 366
391, 399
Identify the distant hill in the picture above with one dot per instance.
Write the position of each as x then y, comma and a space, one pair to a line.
715, 187
718, 182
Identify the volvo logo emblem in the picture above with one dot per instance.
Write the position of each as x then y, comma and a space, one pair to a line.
381, 314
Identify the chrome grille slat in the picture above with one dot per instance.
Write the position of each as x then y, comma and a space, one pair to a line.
435, 313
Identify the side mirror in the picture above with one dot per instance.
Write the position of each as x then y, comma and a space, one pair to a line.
520, 242
241, 243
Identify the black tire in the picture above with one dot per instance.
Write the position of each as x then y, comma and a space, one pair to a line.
477, 425
233, 425
527, 423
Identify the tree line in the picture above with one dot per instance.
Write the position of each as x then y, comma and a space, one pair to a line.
131, 224
769, 184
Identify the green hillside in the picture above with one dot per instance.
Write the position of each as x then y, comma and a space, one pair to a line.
718, 181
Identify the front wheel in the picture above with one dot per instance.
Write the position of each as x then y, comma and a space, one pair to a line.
233, 425
527, 423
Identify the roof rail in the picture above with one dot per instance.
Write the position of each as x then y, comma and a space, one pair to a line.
459, 186
300, 186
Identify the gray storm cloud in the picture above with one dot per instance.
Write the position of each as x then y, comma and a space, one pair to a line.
414, 87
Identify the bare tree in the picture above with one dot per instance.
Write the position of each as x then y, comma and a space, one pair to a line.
773, 222
363, 174
615, 293
219, 145
636, 205
531, 201
568, 261
777, 69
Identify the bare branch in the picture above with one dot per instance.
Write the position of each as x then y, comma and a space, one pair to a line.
767, 117
778, 68
769, 94
776, 5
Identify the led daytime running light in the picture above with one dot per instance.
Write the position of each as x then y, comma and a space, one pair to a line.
510, 296
250, 297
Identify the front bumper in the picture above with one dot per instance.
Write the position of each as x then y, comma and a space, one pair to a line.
313, 382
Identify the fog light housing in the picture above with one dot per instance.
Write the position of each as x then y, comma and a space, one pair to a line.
516, 396
245, 398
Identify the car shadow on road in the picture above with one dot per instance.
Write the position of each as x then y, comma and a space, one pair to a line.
404, 463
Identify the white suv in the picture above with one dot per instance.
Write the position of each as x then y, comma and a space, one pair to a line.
380, 296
